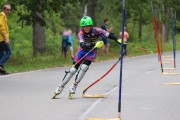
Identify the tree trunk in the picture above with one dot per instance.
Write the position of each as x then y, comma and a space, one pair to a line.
91, 11
84, 7
166, 31
140, 26
39, 43
166, 25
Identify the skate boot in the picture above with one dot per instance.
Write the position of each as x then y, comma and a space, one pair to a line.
72, 90
58, 91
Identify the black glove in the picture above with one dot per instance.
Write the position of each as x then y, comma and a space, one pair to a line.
87, 45
114, 37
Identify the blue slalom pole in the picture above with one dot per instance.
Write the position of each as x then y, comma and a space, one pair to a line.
121, 61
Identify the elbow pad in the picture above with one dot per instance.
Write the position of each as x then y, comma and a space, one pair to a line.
87, 45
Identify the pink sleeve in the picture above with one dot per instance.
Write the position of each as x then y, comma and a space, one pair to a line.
81, 36
102, 32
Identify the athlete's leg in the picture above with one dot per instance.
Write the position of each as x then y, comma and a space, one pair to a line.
69, 74
83, 69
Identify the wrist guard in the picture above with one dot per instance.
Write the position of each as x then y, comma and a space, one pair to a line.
112, 36
87, 45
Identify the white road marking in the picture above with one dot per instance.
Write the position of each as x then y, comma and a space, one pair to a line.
84, 115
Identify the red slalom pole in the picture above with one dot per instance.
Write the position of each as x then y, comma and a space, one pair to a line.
156, 36
161, 37
101, 76
173, 37
161, 49
84, 56
142, 49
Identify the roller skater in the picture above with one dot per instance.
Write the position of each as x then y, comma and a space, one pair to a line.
86, 53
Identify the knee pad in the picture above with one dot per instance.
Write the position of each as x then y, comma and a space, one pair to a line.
72, 70
68, 75
81, 72
84, 67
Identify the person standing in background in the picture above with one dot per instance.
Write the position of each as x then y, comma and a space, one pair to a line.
105, 39
67, 43
5, 48
126, 36
70, 44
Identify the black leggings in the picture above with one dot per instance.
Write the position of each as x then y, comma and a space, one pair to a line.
86, 62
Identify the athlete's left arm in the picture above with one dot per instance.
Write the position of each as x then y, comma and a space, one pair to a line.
107, 34
113, 36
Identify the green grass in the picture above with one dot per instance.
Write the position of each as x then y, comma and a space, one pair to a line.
29, 63
23, 60
35, 63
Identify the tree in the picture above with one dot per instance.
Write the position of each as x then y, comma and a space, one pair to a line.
70, 15
139, 13
89, 8
34, 12
165, 7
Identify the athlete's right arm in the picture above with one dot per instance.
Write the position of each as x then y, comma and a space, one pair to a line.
83, 44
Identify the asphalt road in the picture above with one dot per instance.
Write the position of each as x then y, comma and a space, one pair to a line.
145, 94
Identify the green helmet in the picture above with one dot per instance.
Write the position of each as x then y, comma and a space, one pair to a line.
86, 21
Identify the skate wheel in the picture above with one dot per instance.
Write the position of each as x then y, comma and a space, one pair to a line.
70, 95
54, 96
